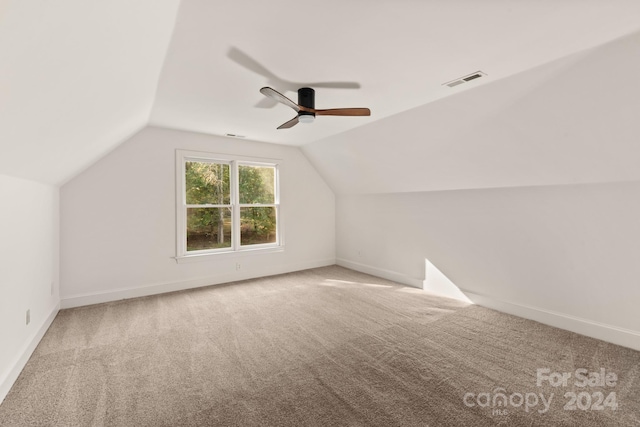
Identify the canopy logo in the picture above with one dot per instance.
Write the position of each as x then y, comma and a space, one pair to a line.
500, 401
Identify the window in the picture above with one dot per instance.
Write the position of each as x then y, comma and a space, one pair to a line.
226, 204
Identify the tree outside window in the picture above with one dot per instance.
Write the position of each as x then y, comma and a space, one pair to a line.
228, 205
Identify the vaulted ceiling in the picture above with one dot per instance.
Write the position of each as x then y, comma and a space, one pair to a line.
570, 121
79, 78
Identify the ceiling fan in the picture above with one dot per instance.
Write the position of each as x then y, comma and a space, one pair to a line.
306, 107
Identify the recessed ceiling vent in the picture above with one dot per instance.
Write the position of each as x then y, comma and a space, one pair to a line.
465, 79
233, 135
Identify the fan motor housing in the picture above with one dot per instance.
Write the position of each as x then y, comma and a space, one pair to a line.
306, 98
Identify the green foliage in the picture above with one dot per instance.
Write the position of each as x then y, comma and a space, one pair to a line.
256, 184
258, 225
209, 183
208, 228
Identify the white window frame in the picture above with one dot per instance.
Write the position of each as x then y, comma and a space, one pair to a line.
183, 156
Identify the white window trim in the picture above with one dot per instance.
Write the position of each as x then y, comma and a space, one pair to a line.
182, 256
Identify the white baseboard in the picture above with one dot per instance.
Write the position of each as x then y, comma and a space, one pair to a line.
613, 334
379, 272
71, 301
609, 333
10, 377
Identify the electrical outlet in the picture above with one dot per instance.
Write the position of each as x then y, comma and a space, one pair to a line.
28, 316
237, 266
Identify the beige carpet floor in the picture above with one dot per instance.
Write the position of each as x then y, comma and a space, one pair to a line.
322, 347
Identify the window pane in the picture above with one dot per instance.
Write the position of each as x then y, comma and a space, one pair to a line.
207, 183
257, 225
257, 184
208, 228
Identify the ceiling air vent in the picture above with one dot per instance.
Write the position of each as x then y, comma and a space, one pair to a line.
233, 135
465, 79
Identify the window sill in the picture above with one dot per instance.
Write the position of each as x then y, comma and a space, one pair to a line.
185, 259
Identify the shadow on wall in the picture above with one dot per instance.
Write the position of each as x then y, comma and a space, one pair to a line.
437, 283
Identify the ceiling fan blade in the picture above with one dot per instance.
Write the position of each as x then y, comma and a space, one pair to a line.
266, 103
273, 94
343, 112
249, 63
291, 123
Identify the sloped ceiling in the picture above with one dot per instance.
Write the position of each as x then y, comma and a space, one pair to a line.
399, 52
77, 79
571, 121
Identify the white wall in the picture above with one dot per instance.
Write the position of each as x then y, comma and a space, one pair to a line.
525, 192
29, 250
119, 229
570, 250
